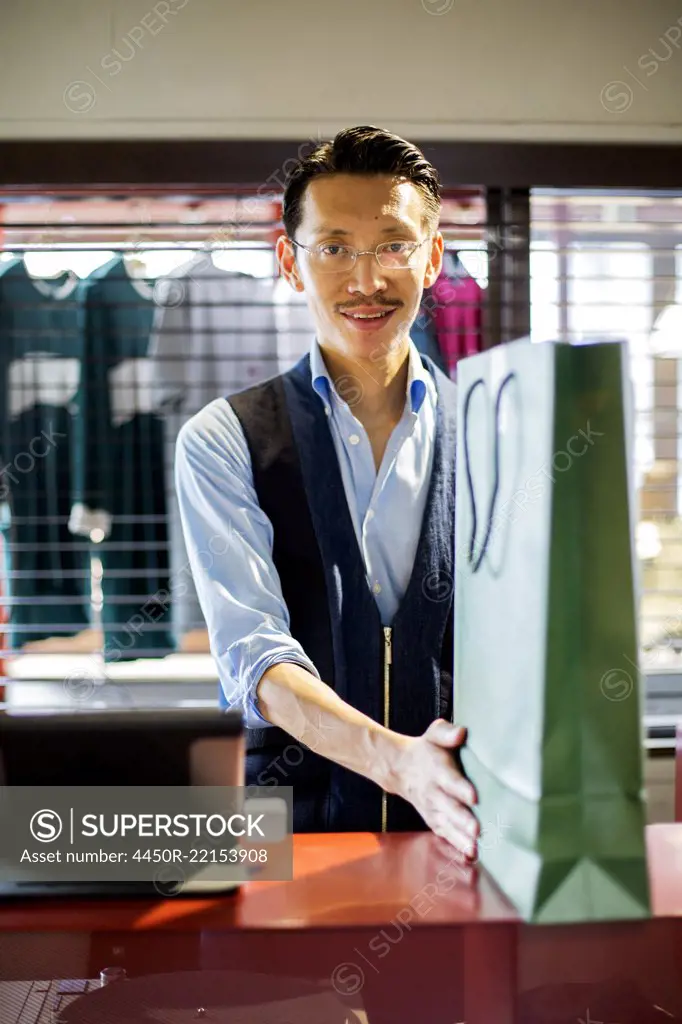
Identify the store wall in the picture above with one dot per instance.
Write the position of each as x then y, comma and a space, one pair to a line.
602, 70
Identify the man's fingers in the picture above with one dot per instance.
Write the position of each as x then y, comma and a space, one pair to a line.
458, 839
462, 819
460, 823
456, 785
451, 817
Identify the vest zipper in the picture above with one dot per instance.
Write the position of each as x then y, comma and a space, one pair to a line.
388, 659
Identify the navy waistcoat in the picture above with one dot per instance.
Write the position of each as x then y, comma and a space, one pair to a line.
333, 613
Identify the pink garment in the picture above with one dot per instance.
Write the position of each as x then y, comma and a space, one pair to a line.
457, 305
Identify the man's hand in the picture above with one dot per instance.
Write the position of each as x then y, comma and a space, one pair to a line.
425, 774
421, 769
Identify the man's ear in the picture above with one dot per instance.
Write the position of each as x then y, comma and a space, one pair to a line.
435, 261
286, 261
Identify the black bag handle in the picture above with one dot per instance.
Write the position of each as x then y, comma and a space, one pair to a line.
476, 563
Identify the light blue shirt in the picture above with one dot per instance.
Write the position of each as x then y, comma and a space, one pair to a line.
229, 538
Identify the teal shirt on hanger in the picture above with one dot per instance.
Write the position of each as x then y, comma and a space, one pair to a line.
118, 454
47, 569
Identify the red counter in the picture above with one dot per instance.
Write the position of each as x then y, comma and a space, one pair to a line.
388, 917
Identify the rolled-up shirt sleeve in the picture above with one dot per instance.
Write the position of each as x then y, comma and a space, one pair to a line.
229, 546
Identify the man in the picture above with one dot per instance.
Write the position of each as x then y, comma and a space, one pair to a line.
318, 509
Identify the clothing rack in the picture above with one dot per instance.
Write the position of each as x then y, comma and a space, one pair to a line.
77, 234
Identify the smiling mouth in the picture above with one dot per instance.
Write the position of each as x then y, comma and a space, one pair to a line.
368, 316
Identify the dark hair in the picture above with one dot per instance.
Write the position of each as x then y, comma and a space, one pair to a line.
362, 150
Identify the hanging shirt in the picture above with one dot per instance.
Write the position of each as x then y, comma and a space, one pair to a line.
47, 568
214, 334
457, 308
238, 585
119, 476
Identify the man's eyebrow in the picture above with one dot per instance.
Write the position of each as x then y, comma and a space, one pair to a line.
330, 231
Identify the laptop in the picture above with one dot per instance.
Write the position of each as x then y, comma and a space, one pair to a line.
131, 747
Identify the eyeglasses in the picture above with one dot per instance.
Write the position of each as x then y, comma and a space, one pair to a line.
333, 258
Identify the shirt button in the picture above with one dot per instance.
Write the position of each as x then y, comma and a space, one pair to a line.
370, 513
354, 439
377, 588
327, 411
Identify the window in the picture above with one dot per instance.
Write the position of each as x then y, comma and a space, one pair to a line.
608, 266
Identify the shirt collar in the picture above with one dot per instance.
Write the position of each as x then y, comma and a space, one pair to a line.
419, 380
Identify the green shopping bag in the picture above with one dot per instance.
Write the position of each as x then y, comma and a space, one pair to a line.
545, 628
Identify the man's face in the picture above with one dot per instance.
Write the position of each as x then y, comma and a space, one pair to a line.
362, 212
